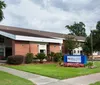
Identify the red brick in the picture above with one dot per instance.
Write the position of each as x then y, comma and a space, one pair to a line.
54, 48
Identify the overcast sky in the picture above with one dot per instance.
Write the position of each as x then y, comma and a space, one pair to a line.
51, 15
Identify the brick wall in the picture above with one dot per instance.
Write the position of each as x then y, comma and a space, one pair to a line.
22, 48
34, 48
54, 48
64, 50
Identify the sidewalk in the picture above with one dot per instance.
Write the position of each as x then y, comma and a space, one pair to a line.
2, 62
41, 80
36, 79
82, 80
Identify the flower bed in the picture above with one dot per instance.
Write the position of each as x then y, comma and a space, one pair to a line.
1, 57
73, 65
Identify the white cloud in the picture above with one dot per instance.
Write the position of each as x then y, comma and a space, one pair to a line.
51, 15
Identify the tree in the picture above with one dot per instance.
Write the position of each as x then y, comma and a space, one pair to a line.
96, 40
98, 25
87, 46
96, 37
2, 6
77, 29
70, 43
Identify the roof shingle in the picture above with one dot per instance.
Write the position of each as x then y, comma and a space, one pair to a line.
35, 33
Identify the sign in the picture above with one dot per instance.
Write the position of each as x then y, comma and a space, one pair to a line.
76, 59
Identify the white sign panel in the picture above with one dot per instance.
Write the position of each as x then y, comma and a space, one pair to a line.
76, 59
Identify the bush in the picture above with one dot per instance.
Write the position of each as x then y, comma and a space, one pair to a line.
57, 57
50, 56
16, 59
41, 56
35, 59
89, 64
29, 58
2, 57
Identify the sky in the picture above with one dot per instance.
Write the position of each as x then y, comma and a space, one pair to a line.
51, 15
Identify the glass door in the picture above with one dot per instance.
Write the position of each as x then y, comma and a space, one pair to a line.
1, 51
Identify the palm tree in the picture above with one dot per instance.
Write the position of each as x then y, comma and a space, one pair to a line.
2, 6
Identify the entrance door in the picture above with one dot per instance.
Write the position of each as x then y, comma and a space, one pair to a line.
1, 53
8, 51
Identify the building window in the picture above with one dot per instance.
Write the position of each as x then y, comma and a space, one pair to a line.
81, 52
1, 39
1, 51
78, 51
42, 51
74, 51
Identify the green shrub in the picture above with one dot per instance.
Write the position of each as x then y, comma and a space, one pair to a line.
29, 58
41, 56
57, 57
51, 56
16, 59
89, 64
35, 59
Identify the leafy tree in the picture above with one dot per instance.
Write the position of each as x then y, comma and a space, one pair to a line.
77, 29
2, 6
96, 37
70, 43
96, 40
98, 25
87, 46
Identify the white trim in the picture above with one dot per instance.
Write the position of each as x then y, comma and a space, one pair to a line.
28, 38
65, 39
81, 40
77, 51
43, 47
37, 39
7, 34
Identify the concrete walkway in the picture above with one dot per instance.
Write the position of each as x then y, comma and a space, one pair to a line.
37, 79
82, 80
2, 62
41, 80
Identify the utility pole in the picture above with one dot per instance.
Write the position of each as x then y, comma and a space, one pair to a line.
92, 46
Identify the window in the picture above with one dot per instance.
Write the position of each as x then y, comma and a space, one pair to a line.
74, 51
1, 52
1, 39
81, 52
78, 51
42, 51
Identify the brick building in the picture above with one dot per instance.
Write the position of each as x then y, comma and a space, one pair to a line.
19, 41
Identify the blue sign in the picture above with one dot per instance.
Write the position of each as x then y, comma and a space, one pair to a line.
75, 59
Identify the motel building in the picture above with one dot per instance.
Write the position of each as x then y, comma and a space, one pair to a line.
20, 41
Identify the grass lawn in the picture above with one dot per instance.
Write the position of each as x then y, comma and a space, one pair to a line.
55, 71
97, 83
8, 79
